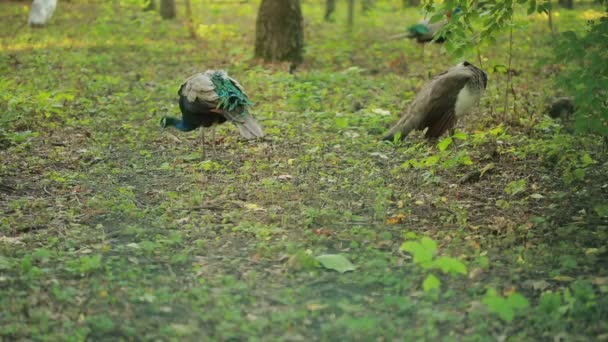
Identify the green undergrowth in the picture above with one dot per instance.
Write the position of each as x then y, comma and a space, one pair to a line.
113, 229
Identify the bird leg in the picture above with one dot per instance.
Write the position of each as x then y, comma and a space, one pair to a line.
213, 139
422, 56
203, 143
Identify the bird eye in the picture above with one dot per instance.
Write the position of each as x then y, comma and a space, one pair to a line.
466, 64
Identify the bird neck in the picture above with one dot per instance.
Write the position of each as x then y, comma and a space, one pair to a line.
179, 124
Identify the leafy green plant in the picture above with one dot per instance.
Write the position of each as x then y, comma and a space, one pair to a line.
423, 253
505, 307
585, 77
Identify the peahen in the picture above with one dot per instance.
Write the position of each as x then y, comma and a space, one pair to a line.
41, 12
441, 102
212, 97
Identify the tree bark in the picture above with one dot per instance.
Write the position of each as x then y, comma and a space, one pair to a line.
330, 7
351, 14
167, 9
189, 21
279, 33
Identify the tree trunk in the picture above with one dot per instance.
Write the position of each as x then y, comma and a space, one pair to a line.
569, 4
189, 20
351, 14
330, 7
167, 9
279, 34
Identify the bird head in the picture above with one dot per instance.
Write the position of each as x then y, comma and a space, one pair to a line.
168, 121
163, 122
482, 74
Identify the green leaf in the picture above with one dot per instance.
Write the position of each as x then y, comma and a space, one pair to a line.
450, 265
460, 136
516, 187
517, 301
445, 143
335, 262
341, 123
420, 253
431, 283
193, 156
549, 303
586, 159
601, 209
5, 263
428, 243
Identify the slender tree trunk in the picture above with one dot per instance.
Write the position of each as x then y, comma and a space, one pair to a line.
279, 33
550, 15
189, 21
330, 7
351, 14
167, 9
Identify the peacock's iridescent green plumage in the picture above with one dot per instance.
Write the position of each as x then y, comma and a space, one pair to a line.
418, 29
230, 96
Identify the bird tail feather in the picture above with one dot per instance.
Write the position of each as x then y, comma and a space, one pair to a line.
404, 126
249, 128
401, 35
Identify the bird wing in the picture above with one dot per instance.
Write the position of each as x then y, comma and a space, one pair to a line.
435, 104
199, 86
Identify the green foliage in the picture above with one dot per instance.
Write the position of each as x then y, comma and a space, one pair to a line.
479, 24
423, 252
585, 77
516, 187
505, 307
335, 262
431, 283
113, 230
85, 264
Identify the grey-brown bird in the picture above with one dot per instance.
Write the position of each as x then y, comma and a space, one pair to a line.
446, 98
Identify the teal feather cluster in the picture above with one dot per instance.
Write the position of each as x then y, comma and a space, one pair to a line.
230, 96
418, 29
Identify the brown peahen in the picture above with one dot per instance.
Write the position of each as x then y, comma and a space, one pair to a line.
446, 98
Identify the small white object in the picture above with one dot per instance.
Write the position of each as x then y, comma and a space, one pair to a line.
41, 12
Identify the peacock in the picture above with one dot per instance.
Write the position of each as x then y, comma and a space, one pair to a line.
210, 98
41, 12
425, 31
446, 98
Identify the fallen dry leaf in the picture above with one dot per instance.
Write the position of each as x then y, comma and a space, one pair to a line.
395, 219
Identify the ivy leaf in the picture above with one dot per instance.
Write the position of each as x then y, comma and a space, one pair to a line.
335, 262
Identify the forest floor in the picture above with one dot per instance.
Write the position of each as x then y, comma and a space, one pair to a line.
113, 229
